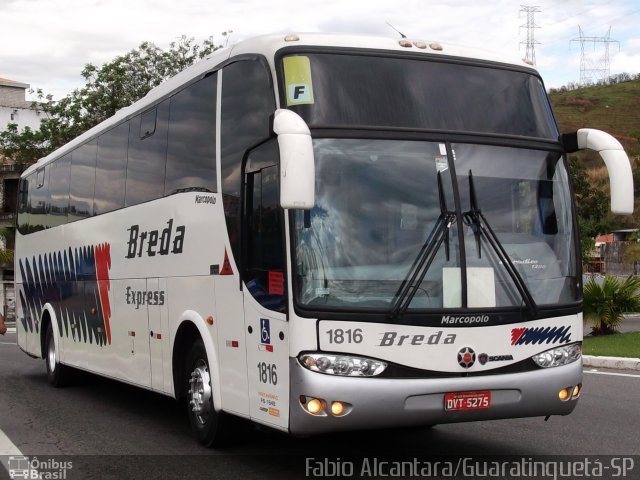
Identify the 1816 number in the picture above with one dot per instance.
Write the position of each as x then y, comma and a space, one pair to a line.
267, 373
339, 336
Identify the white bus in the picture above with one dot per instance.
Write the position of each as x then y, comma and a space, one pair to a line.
318, 233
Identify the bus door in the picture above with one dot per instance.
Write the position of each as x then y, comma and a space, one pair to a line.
264, 285
267, 342
160, 359
129, 333
231, 348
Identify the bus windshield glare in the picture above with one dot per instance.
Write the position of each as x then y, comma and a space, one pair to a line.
377, 202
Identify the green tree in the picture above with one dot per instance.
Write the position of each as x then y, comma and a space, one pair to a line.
592, 207
108, 88
6, 254
631, 255
606, 303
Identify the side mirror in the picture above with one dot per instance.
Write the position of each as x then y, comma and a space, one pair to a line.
297, 164
616, 160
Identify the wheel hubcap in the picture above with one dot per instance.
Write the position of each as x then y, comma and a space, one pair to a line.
200, 392
51, 355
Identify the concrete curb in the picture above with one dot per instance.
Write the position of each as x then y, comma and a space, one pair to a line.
618, 363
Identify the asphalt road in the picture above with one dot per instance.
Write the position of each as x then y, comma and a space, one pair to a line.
111, 430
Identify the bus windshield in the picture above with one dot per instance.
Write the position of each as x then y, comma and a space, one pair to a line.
378, 201
340, 89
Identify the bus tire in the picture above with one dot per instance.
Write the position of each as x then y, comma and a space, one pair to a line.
57, 373
209, 428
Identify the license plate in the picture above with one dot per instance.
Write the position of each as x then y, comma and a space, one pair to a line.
457, 401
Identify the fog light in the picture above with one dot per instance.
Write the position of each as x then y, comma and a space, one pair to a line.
337, 408
563, 394
576, 391
314, 406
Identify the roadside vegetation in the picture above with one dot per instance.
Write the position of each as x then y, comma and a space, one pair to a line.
616, 345
606, 303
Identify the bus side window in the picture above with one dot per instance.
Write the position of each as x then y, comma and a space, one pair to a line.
263, 233
59, 181
38, 199
110, 169
23, 197
147, 156
247, 104
83, 178
191, 150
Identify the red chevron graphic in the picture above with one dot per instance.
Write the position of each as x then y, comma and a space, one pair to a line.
103, 264
516, 333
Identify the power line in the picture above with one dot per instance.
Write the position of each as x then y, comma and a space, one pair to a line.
592, 67
530, 42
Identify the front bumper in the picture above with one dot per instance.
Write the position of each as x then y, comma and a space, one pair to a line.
385, 403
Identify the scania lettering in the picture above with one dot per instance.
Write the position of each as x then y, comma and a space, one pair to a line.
318, 233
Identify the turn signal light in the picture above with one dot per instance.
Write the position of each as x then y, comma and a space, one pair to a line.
576, 391
337, 408
564, 394
315, 406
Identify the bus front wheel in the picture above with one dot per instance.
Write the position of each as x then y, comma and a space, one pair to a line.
56, 372
210, 428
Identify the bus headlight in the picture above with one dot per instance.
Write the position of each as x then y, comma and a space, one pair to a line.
343, 365
558, 356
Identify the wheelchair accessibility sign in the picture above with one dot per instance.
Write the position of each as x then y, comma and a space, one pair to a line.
265, 336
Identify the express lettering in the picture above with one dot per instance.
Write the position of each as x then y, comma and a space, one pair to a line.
154, 242
144, 297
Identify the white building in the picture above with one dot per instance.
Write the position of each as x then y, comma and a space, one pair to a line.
14, 108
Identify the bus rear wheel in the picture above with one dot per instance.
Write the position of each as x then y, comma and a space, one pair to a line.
210, 428
56, 372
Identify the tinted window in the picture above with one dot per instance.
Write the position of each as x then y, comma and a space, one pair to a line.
148, 123
247, 104
191, 153
23, 203
111, 169
405, 92
146, 158
59, 179
264, 261
38, 199
33, 201
83, 176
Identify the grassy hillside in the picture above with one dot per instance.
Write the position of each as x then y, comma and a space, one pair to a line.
614, 109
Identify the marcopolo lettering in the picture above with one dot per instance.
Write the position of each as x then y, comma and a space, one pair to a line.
206, 199
539, 335
154, 242
394, 339
464, 319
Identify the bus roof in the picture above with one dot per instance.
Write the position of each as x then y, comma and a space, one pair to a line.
268, 45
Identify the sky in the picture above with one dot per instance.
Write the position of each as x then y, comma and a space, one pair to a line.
46, 43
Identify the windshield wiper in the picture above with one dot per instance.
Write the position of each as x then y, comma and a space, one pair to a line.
481, 228
420, 266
